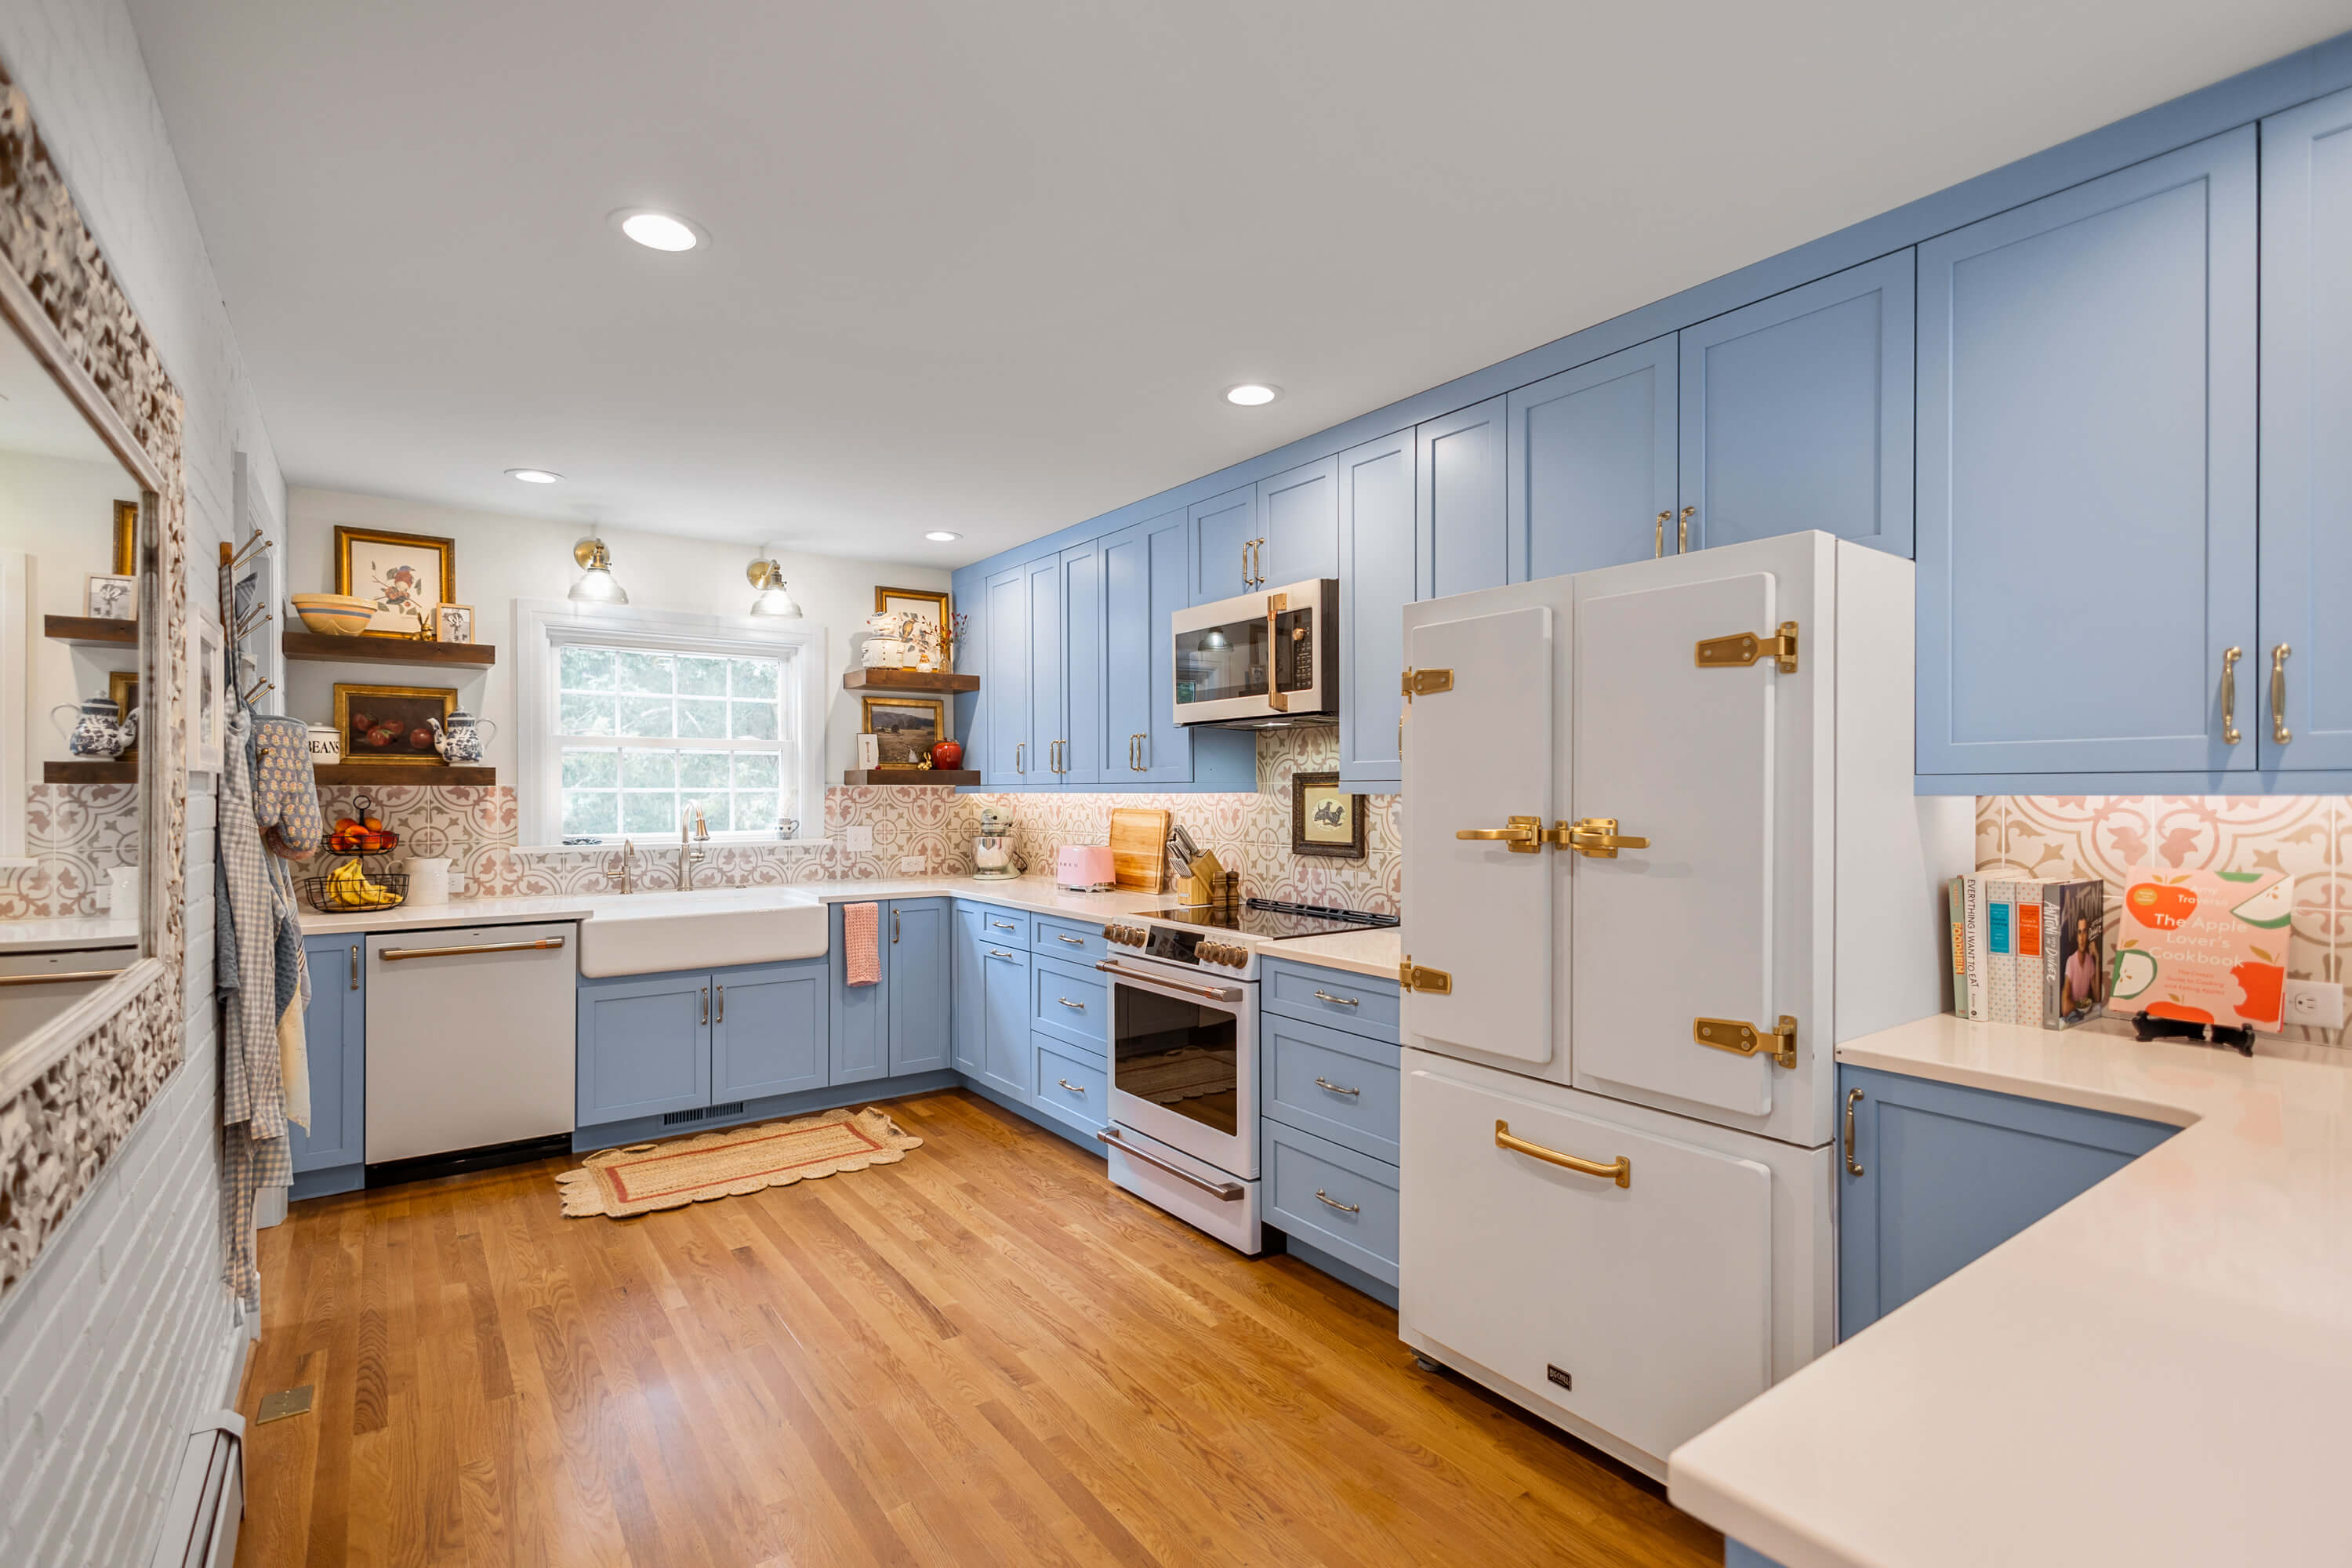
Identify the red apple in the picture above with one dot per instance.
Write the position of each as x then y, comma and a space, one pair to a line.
420, 739
947, 754
2263, 984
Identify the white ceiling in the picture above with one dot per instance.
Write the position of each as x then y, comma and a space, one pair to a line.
989, 266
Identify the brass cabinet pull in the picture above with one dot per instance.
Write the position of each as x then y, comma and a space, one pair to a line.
1334, 1088
1620, 1170
999, 925
1524, 835
1851, 1168
1073, 1006
894, 928
355, 966
1021, 756
721, 1016
1321, 1197
999, 952
2278, 731
1337, 1001
706, 1003
1659, 548
2230, 658
1073, 940
1681, 540
1594, 838
394, 955
1073, 1088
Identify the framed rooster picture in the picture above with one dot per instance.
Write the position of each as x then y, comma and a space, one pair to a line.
1324, 818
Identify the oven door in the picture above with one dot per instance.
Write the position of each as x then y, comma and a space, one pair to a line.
1222, 667
1184, 1064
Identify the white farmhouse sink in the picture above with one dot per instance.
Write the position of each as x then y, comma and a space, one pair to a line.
655, 934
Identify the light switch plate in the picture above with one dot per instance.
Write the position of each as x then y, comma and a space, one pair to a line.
859, 839
2318, 1003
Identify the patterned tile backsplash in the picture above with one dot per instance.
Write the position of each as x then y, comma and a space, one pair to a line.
2113, 837
73, 834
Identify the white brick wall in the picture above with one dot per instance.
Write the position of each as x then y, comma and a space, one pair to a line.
122, 1336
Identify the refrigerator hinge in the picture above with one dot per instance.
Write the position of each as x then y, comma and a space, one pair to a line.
1743, 648
1411, 976
1745, 1039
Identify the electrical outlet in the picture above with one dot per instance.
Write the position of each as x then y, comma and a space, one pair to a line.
859, 839
912, 864
2317, 1003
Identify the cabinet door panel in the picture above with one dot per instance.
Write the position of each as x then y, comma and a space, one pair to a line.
2086, 473
919, 982
861, 1014
1376, 582
1224, 528
1796, 413
335, 1024
1009, 754
1083, 754
1462, 535
2306, 437
1143, 576
1044, 674
645, 1047
1167, 749
969, 1013
1298, 517
769, 1030
1592, 463
1004, 1045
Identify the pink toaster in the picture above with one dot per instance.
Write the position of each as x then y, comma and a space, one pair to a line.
1084, 868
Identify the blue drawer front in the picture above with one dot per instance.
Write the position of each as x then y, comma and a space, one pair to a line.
1071, 1004
1078, 941
1068, 1088
1005, 927
1362, 1004
1334, 1084
1354, 1219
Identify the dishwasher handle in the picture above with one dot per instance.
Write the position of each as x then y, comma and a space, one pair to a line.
393, 954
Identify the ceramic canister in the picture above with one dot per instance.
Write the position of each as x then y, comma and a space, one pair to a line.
428, 879
123, 892
325, 746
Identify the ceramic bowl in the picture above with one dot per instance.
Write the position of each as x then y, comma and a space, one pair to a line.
333, 614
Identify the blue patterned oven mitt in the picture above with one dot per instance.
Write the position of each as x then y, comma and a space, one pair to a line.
285, 794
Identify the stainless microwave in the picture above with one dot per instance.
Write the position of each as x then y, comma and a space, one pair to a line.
1265, 658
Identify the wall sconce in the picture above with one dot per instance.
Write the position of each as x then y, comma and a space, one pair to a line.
597, 585
768, 576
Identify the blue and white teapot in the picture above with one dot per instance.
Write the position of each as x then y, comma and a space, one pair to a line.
464, 741
97, 730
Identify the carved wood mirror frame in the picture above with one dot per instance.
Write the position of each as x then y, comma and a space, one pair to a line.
72, 1092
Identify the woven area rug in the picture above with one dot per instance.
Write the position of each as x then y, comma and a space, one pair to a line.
643, 1177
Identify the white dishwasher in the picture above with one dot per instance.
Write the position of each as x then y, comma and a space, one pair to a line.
470, 1054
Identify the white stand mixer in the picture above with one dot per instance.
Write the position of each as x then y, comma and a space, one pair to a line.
992, 859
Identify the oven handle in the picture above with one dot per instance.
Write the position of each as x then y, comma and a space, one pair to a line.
1207, 993
1228, 1191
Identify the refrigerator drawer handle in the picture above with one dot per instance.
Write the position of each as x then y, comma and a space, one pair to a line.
394, 954
1228, 1192
1620, 1170
58, 979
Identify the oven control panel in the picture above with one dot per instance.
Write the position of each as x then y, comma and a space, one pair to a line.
1173, 944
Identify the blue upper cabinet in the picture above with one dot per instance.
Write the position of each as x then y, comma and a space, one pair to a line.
1004, 682
1144, 584
1376, 583
1591, 463
2087, 474
1298, 524
2306, 442
1224, 543
1796, 413
1043, 675
1460, 536
1086, 751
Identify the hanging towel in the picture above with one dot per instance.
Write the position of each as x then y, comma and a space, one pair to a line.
253, 1149
861, 941
286, 809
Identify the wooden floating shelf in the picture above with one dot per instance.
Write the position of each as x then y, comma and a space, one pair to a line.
935, 778
907, 681
90, 773
381, 774
88, 631
383, 650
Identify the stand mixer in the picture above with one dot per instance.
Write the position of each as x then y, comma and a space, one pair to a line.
992, 859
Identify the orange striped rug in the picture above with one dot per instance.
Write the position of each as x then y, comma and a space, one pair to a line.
643, 1177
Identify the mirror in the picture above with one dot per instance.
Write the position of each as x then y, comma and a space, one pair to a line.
74, 607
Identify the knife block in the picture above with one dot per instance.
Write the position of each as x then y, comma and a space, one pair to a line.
1199, 889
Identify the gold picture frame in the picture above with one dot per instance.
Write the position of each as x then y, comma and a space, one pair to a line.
407, 575
122, 690
900, 734
403, 707
126, 538
934, 604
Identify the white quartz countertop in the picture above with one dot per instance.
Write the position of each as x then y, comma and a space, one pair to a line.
2158, 1372
1376, 950
66, 933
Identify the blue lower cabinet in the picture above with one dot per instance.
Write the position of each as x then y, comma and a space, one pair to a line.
1079, 941
919, 980
645, 1046
1738, 1556
1947, 1173
1069, 1087
1070, 1002
861, 1014
1339, 1086
1005, 1062
331, 1157
967, 1023
769, 1030
1361, 1003
1334, 1199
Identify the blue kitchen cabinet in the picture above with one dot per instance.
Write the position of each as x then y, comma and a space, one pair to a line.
1008, 753
1144, 586
1376, 583
1044, 672
1070, 1002
1461, 525
1591, 458
1087, 751
1298, 524
969, 1016
331, 1157
2306, 442
1948, 1173
860, 1014
2086, 486
1796, 413
645, 1047
1004, 1063
1224, 545
769, 1030
921, 984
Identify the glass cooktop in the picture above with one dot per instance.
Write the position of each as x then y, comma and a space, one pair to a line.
1275, 922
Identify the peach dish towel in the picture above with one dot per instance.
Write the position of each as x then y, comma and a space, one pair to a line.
861, 936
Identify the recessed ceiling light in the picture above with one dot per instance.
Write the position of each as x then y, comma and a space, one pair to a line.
659, 231
941, 536
1250, 394
534, 475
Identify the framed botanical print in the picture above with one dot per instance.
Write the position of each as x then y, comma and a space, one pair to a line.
930, 606
1324, 818
905, 729
407, 575
126, 538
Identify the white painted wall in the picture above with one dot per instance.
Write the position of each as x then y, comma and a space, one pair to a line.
501, 558
60, 513
123, 1335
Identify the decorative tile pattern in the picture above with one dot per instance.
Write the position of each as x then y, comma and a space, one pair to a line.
73, 834
2113, 836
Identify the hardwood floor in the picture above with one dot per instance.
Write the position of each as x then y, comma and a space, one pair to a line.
985, 1353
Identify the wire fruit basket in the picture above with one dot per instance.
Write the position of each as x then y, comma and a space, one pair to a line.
353, 835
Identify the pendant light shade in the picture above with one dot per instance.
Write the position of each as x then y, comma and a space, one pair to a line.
773, 600
597, 585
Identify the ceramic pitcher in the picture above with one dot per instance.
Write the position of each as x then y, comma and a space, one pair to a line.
465, 740
96, 731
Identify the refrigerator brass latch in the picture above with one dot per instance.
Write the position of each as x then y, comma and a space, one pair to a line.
1411, 976
1421, 683
1745, 1039
1743, 648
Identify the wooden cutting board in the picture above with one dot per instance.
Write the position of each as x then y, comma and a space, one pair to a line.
1138, 847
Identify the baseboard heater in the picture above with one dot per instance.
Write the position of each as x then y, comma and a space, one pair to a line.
208, 1501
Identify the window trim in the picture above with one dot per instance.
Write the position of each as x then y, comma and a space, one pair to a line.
541, 625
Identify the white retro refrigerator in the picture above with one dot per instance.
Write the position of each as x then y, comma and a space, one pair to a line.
1661, 853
